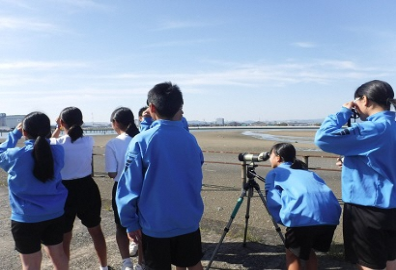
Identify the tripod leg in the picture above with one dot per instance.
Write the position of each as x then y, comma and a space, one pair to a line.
247, 216
227, 228
276, 226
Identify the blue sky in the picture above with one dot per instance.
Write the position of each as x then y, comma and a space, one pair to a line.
239, 60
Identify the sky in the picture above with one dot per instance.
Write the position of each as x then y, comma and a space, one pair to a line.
271, 60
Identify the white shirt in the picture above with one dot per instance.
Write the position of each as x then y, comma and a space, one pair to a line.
115, 154
78, 156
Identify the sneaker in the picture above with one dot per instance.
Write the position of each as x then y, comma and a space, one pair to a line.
133, 249
138, 267
127, 267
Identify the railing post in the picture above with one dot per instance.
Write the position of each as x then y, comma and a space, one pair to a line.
92, 166
306, 160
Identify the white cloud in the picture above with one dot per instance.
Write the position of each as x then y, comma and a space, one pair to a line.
304, 44
169, 25
18, 3
64, 78
13, 23
179, 43
82, 4
34, 65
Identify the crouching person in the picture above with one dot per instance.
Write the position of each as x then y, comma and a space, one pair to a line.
300, 200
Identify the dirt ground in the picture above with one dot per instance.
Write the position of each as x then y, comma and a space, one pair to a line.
221, 189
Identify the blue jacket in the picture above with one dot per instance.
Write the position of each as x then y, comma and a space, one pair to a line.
369, 171
31, 200
147, 121
163, 179
297, 198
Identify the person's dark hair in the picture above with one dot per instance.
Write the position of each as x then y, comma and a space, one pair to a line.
378, 91
166, 98
38, 127
142, 109
125, 120
73, 120
287, 153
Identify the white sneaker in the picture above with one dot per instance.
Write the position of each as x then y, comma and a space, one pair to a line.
138, 267
127, 267
133, 249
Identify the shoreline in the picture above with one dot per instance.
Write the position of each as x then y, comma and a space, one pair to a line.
232, 139
220, 141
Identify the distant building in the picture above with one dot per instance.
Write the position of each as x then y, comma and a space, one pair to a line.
2, 120
220, 121
10, 121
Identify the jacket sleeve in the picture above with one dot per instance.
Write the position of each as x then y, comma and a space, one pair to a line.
129, 188
11, 142
333, 138
274, 201
145, 124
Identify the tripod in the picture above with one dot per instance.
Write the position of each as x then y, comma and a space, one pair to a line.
247, 190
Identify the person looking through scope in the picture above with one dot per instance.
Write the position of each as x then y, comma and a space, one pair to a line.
368, 177
300, 200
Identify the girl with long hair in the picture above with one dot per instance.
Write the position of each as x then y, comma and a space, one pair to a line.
37, 195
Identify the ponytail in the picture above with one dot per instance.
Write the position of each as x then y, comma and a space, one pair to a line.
391, 101
37, 127
299, 165
43, 160
75, 132
287, 152
73, 120
125, 120
132, 130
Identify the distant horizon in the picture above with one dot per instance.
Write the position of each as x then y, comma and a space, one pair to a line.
195, 120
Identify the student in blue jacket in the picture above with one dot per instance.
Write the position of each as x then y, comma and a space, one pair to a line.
146, 120
368, 174
37, 196
163, 179
300, 200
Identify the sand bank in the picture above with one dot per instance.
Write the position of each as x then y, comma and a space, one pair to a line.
235, 140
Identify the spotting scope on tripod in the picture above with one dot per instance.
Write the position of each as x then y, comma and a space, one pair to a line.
248, 186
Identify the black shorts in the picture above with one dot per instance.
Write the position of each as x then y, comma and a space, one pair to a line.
28, 237
369, 235
114, 204
300, 240
82, 201
183, 251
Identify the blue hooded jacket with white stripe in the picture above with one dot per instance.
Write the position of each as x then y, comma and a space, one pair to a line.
369, 150
297, 198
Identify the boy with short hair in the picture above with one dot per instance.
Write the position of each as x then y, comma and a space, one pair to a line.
163, 179
142, 113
